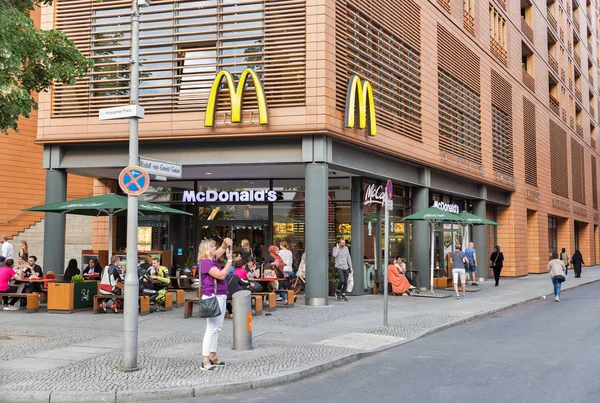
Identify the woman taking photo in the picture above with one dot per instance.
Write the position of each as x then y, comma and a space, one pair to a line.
210, 275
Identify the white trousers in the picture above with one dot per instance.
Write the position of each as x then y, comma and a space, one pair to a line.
213, 327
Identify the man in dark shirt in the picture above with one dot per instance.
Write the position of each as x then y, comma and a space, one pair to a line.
36, 271
458, 270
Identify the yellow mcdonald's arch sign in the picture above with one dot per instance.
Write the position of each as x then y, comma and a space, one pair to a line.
366, 105
236, 95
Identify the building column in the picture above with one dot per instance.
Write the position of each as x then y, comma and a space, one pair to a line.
479, 238
421, 237
316, 233
54, 223
357, 246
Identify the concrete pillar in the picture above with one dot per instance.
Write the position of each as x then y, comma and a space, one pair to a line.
421, 236
317, 254
54, 223
479, 238
357, 246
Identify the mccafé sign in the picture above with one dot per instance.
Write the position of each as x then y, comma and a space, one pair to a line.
209, 196
362, 92
374, 195
236, 94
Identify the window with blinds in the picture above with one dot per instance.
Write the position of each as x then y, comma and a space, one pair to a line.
459, 103
530, 146
502, 141
594, 184
182, 46
502, 135
578, 170
559, 178
459, 118
390, 59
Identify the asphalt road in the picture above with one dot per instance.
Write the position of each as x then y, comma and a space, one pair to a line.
542, 352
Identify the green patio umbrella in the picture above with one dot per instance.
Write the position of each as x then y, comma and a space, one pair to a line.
432, 215
108, 205
467, 219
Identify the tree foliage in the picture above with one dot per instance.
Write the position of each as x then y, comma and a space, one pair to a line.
31, 60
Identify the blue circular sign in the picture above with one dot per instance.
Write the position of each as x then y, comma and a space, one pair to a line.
389, 189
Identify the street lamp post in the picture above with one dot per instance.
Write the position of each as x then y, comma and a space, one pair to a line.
130, 300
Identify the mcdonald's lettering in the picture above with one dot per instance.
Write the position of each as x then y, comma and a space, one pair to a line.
364, 93
236, 95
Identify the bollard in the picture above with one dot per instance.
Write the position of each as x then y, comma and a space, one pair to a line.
242, 320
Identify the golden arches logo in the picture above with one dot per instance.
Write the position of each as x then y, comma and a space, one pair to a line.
236, 95
366, 105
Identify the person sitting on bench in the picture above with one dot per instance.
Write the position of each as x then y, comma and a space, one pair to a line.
6, 275
400, 284
108, 284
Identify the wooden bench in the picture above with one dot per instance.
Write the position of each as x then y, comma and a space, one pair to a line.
291, 295
188, 308
33, 303
271, 297
178, 296
144, 302
442, 282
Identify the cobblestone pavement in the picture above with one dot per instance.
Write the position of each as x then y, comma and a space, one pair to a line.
82, 351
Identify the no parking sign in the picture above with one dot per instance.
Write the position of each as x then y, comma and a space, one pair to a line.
134, 180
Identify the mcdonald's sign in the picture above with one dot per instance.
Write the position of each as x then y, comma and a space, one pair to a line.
236, 95
366, 105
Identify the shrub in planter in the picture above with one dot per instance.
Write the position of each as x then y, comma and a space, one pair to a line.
78, 278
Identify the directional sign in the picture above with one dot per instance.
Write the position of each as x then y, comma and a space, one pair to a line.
161, 168
121, 112
134, 180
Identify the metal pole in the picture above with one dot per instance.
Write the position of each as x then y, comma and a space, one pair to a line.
110, 237
130, 310
242, 320
385, 263
432, 248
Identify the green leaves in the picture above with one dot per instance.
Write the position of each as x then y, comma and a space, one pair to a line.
31, 60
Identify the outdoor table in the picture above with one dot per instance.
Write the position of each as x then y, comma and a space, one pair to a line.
21, 283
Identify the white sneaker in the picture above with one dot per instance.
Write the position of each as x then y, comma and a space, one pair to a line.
12, 308
6, 307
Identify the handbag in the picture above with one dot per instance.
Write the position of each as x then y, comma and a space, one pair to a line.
560, 278
493, 264
209, 307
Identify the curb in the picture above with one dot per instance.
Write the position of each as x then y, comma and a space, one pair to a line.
11, 396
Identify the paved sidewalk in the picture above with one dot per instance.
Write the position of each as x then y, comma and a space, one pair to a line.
75, 358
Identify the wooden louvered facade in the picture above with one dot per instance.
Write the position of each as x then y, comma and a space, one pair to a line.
182, 46
530, 143
558, 155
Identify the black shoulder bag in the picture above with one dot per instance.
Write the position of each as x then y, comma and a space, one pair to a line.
209, 307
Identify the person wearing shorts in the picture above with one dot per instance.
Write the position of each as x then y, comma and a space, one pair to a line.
472, 256
458, 270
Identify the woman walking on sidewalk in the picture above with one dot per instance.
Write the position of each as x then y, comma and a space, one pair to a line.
558, 272
497, 262
577, 260
212, 275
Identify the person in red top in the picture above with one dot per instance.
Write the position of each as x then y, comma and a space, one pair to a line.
6, 274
